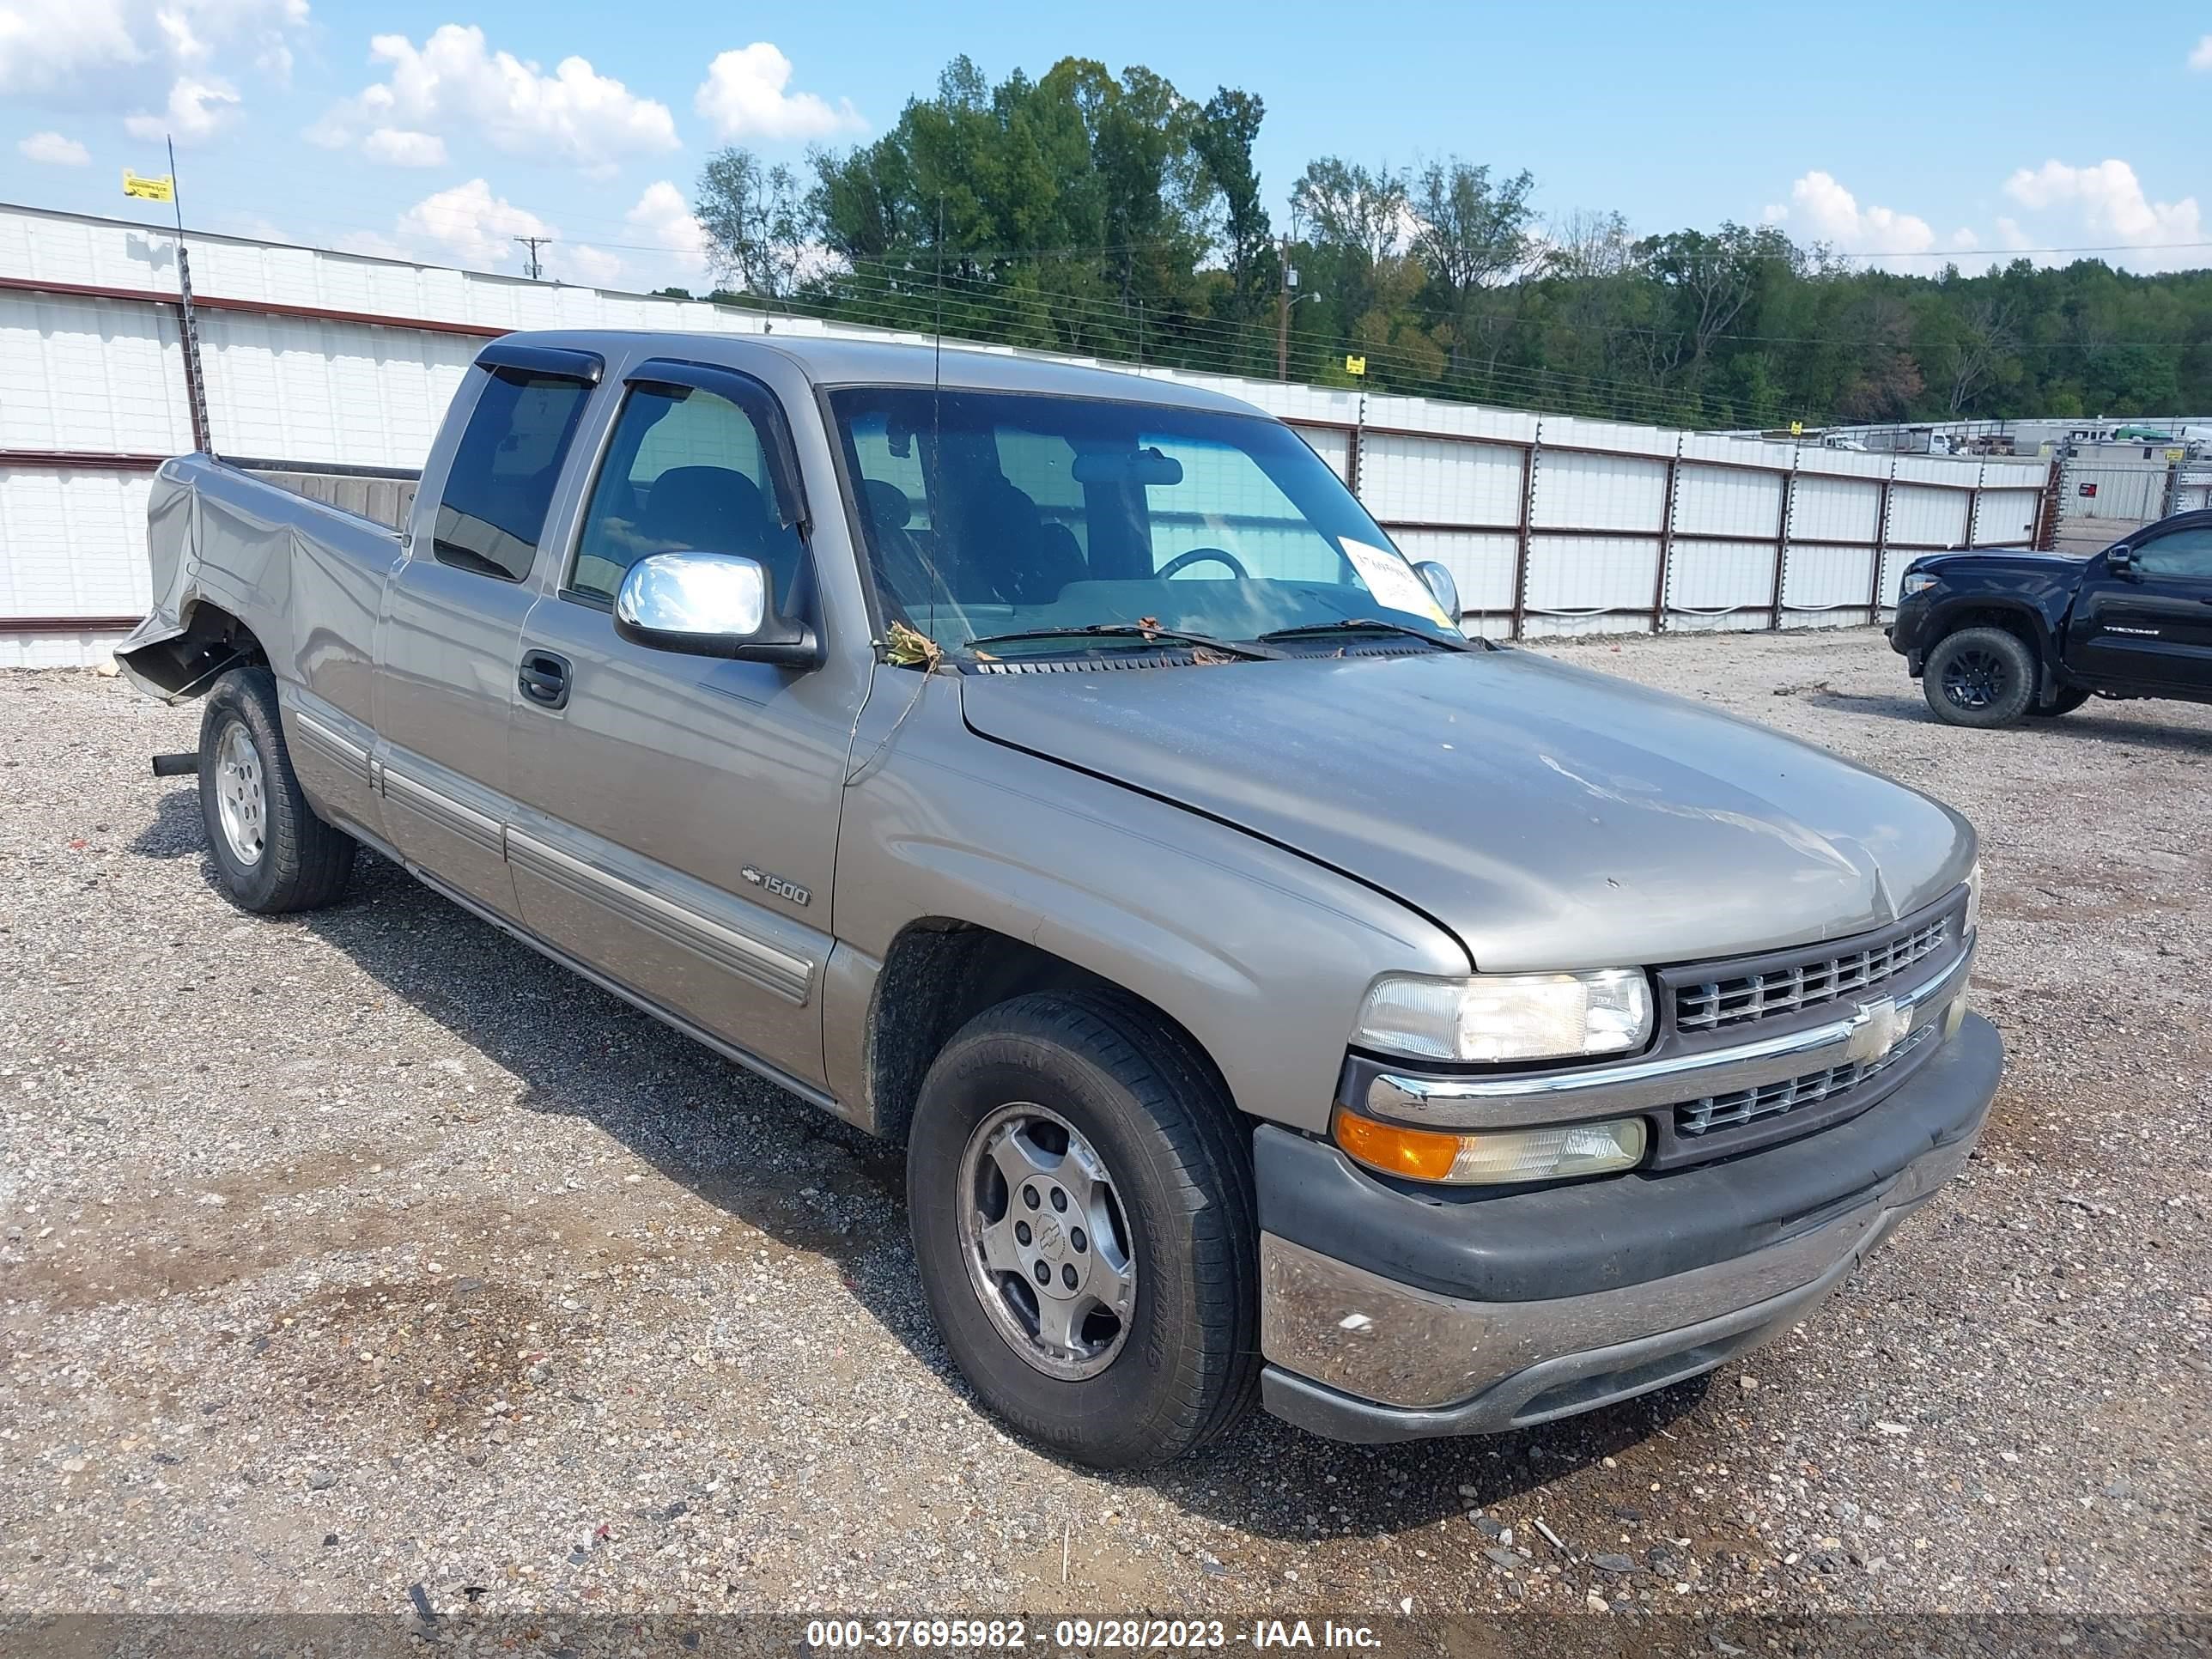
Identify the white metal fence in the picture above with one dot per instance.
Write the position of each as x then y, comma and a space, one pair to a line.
317, 361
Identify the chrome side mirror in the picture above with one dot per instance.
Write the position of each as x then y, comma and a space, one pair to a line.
709, 605
2120, 560
1442, 587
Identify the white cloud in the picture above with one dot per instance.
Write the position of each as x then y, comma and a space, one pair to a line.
453, 83
128, 57
2107, 202
2201, 58
581, 261
196, 111
743, 98
470, 225
52, 149
1822, 209
663, 219
473, 227
397, 147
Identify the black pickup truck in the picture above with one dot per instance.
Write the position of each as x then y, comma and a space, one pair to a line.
1996, 634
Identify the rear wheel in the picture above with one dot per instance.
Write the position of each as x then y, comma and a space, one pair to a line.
273, 853
1080, 1194
1980, 677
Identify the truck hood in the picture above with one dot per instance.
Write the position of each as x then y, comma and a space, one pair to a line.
1550, 817
2002, 558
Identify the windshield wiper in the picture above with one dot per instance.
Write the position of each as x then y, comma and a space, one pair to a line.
1134, 630
1375, 625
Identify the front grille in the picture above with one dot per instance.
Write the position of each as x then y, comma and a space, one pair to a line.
1714, 1004
1741, 1106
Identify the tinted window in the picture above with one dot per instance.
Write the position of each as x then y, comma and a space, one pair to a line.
686, 470
2183, 553
503, 473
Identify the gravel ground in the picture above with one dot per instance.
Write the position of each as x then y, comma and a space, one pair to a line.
363, 1252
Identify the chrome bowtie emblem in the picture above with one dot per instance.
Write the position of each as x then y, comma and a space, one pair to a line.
1877, 1028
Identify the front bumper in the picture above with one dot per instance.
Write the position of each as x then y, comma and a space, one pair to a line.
1389, 1316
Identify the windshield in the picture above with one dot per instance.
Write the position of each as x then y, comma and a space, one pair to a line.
991, 514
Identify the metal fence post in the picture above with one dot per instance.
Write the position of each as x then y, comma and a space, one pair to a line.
1782, 543
1527, 522
1880, 544
1666, 536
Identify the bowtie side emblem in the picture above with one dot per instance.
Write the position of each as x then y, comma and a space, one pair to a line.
1877, 1028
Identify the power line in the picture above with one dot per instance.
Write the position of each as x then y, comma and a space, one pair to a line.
534, 269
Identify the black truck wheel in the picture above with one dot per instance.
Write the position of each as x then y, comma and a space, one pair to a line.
1980, 677
1080, 1193
2064, 703
273, 854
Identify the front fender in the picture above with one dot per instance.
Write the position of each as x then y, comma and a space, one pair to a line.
1262, 955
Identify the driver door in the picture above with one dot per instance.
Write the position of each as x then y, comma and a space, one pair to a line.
2150, 622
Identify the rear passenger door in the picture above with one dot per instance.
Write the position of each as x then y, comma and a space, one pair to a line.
675, 823
449, 641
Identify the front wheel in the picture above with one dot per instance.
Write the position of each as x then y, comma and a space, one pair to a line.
1980, 677
1080, 1193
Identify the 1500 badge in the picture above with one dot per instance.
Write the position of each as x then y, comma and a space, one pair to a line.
776, 884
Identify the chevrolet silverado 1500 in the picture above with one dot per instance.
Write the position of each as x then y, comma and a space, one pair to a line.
1277, 992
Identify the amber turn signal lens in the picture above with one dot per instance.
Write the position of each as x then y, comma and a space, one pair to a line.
1417, 1154
1494, 1156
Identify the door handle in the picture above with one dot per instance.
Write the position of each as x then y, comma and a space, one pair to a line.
542, 678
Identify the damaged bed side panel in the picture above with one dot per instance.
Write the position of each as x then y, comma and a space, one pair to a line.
243, 569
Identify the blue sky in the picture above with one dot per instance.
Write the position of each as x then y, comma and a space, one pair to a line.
439, 131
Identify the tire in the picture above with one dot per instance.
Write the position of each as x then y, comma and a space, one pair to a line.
1980, 677
1182, 1365
2064, 703
273, 854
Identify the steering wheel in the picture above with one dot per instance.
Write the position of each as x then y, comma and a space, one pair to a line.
1202, 556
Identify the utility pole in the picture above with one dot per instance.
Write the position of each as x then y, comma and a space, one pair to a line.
1282, 314
535, 270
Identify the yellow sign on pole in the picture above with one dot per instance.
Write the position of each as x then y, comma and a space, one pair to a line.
1355, 365
2177, 454
1796, 429
163, 189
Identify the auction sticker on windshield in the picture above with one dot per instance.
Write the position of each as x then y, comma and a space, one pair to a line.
1392, 580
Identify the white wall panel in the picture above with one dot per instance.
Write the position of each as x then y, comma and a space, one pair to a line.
1481, 564
1440, 481
2006, 515
1713, 576
1834, 509
1600, 492
1585, 573
289, 389
1720, 501
1924, 516
73, 543
101, 376
1817, 578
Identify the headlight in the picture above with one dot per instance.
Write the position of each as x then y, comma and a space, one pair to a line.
1493, 1156
1915, 582
1508, 1016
